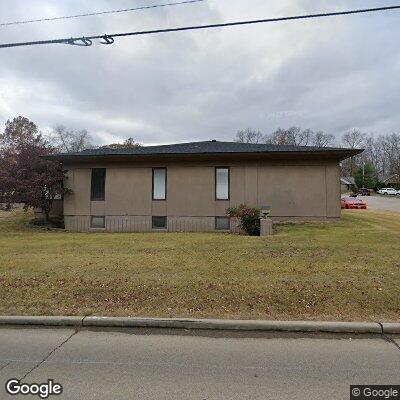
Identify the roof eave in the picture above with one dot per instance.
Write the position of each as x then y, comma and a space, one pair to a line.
337, 154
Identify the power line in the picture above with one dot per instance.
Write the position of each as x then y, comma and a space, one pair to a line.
98, 13
109, 39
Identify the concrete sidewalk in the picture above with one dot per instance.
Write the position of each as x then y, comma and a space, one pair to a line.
172, 364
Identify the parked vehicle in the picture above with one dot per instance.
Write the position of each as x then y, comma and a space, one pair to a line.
364, 192
353, 202
388, 191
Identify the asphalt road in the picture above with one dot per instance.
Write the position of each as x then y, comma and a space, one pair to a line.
136, 365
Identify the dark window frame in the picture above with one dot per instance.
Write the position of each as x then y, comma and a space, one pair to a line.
222, 217
166, 183
159, 228
97, 227
229, 183
93, 194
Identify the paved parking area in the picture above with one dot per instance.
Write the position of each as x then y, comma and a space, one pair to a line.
383, 203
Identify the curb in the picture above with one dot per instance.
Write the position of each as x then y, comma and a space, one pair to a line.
43, 321
205, 324
237, 325
389, 328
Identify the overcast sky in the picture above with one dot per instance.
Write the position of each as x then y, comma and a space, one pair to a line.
330, 74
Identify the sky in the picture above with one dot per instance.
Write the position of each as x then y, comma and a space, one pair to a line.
332, 74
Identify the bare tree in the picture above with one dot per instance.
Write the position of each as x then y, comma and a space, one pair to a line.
305, 138
283, 137
382, 153
322, 139
293, 136
128, 143
373, 154
354, 140
69, 140
391, 152
249, 136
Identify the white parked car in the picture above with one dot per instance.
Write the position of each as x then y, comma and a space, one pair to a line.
390, 191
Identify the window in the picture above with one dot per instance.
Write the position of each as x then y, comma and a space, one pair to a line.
98, 222
159, 222
222, 223
222, 183
98, 184
159, 183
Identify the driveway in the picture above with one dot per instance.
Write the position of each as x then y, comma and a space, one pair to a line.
383, 203
134, 364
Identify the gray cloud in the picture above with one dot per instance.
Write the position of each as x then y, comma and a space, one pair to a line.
333, 74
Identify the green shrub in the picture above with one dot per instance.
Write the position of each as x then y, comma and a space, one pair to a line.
38, 222
53, 223
249, 218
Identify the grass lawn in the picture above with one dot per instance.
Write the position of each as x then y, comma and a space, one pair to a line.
348, 270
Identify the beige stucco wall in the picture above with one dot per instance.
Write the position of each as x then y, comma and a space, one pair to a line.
293, 190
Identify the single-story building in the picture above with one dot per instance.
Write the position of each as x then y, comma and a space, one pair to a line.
189, 186
392, 180
347, 183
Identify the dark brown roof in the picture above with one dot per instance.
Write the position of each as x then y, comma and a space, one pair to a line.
212, 147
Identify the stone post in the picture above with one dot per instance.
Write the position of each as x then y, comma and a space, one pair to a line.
266, 227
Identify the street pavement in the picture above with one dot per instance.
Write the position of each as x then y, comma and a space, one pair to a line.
162, 364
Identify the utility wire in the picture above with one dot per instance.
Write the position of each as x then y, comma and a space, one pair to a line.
109, 39
99, 13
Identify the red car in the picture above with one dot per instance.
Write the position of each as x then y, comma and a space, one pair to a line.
353, 202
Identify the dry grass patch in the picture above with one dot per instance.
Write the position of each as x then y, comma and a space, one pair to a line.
349, 270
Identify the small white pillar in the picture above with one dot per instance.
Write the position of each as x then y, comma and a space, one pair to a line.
266, 227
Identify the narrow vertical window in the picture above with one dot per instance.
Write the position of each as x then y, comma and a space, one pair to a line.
98, 184
222, 183
159, 183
